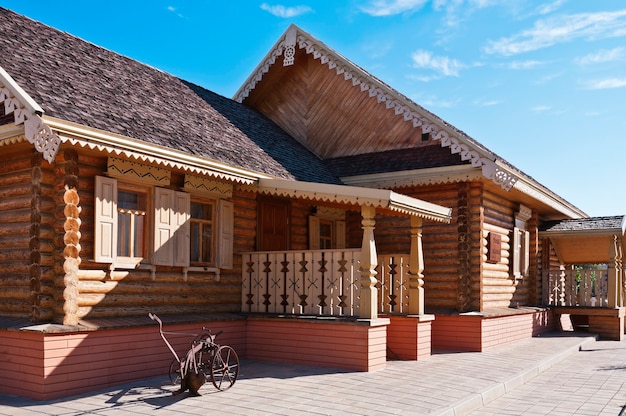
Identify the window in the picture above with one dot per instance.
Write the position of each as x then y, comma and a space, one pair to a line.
131, 214
521, 243
326, 232
170, 231
521, 251
202, 243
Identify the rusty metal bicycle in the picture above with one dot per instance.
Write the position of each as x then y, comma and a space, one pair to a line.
205, 360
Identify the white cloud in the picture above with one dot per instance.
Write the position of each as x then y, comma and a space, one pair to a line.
548, 32
392, 7
550, 7
174, 10
524, 64
605, 84
285, 12
601, 56
440, 64
540, 108
487, 103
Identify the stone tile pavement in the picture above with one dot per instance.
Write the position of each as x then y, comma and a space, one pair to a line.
556, 374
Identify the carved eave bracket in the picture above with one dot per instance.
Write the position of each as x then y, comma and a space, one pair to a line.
38, 133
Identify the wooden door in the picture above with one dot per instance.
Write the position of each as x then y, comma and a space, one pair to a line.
273, 226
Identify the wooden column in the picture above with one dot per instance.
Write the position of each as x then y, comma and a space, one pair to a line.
369, 261
416, 269
615, 274
561, 300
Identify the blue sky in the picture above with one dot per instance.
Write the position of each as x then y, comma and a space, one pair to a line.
540, 83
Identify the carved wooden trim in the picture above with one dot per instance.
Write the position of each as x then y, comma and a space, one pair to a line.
36, 131
215, 189
128, 169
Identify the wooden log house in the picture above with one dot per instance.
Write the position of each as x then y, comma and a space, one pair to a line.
319, 206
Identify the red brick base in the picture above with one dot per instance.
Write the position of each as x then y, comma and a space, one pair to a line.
477, 332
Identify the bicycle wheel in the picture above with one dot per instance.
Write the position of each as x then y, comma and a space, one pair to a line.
224, 368
175, 372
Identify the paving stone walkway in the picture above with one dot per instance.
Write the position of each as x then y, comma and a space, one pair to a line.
556, 374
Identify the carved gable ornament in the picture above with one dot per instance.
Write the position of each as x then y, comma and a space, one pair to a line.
25, 111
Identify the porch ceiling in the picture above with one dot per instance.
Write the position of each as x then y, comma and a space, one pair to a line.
353, 195
586, 240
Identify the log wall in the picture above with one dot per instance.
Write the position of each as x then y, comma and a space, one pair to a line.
26, 234
457, 275
107, 294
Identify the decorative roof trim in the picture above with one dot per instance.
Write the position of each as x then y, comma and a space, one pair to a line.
379, 198
76, 134
28, 113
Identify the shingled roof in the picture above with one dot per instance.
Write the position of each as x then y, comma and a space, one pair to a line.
80, 82
585, 224
393, 161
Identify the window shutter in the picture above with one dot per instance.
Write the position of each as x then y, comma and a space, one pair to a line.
340, 234
182, 205
516, 252
526, 254
314, 232
163, 227
226, 225
105, 243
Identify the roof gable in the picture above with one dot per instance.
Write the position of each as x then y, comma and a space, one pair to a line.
82, 83
372, 117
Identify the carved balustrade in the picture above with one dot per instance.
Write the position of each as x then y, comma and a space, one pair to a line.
579, 287
320, 283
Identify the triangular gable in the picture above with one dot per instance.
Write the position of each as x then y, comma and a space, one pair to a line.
469, 150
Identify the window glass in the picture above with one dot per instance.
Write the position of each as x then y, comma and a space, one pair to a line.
326, 234
131, 211
202, 248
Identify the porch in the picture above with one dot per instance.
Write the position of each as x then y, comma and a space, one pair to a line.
315, 292
584, 274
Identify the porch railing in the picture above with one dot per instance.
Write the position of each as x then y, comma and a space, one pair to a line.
573, 287
319, 282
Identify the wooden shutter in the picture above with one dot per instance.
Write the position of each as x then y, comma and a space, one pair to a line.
105, 242
314, 232
226, 225
516, 252
182, 208
340, 234
526, 253
163, 227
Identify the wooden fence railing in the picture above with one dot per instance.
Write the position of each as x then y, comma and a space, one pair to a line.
578, 287
319, 282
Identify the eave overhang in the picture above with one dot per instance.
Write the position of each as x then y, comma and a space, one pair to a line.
356, 196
